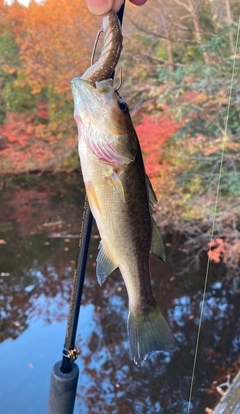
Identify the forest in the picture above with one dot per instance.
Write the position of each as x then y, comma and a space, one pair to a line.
181, 79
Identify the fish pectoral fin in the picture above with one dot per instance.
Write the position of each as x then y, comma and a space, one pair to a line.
152, 199
105, 264
109, 150
157, 246
148, 332
114, 178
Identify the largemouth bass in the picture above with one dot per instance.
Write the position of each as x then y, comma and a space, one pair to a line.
121, 199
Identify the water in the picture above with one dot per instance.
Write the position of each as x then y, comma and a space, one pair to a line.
39, 224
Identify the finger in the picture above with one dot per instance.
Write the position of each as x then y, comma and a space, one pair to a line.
99, 7
138, 2
117, 4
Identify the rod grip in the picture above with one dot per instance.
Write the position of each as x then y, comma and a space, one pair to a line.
62, 390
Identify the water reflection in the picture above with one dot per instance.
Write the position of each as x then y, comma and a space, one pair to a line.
36, 268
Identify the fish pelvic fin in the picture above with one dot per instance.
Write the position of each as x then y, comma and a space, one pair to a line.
92, 197
157, 245
105, 264
149, 332
114, 178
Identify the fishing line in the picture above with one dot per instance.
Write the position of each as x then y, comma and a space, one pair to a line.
224, 140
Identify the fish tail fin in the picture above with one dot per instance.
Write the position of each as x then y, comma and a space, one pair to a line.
149, 332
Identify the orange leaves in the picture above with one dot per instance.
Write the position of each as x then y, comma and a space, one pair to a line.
51, 37
30, 144
52, 40
225, 250
14, 128
42, 111
218, 249
200, 98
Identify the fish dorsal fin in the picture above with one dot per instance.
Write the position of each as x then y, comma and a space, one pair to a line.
152, 199
157, 246
105, 265
115, 180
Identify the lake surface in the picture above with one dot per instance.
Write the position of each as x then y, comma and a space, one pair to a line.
40, 219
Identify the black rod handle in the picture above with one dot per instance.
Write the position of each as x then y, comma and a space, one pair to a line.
62, 390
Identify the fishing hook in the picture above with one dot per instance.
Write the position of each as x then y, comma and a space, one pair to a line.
120, 83
95, 46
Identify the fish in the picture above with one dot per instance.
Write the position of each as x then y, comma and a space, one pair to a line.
121, 199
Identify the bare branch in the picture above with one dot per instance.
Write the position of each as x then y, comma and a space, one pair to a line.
164, 62
183, 5
192, 42
185, 16
180, 26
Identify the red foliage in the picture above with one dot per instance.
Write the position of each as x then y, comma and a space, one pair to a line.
218, 248
23, 204
30, 144
152, 133
226, 250
15, 129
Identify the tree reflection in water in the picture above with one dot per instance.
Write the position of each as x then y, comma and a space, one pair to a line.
110, 381
35, 282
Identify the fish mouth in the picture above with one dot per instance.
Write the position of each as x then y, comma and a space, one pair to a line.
84, 95
79, 86
101, 88
95, 101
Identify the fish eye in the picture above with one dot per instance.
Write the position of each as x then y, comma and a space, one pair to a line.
123, 106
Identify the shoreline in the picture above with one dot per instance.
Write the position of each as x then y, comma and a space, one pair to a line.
194, 236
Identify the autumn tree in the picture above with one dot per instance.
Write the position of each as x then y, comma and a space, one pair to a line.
177, 67
44, 48
196, 97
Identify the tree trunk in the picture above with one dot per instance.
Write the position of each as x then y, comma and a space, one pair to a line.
170, 55
196, 22
192, 9
229, 21
166, 23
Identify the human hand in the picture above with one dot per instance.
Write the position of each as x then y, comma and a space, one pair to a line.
101, 7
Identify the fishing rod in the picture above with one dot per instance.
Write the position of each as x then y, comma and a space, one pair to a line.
64, 376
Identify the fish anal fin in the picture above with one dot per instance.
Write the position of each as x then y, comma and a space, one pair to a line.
157, 246
105, 264
149, 332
